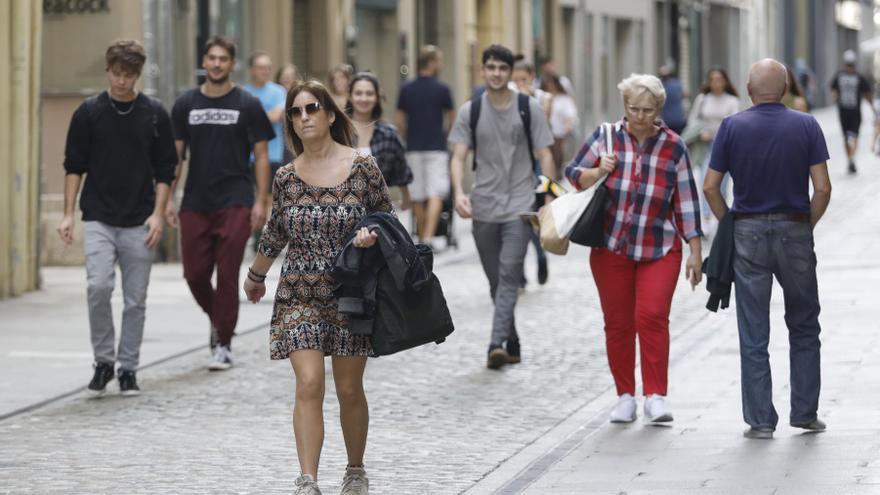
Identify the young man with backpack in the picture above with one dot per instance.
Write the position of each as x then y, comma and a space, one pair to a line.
221, 124
121, 141
506, 130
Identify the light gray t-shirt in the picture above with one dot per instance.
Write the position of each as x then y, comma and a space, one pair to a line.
504, 184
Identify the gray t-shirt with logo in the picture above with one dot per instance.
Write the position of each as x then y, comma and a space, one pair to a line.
504, 183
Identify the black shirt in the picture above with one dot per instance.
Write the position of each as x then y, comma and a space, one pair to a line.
850, 87
220, 133
122, 156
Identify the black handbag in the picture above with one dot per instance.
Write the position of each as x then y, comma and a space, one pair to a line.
409, 318
590, 227
589, 230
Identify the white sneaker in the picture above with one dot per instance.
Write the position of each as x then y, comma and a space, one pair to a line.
222, 359
306, 485
625, 410
355, 482
657, 410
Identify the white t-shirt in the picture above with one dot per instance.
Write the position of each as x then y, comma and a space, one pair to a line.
562, 108
711, 109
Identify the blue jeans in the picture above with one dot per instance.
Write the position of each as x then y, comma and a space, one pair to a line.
766, 248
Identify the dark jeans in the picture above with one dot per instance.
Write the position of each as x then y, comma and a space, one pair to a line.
766, 248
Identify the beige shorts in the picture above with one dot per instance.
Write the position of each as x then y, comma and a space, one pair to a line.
430, 171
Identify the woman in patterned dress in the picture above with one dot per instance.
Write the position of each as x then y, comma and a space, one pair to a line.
318, 199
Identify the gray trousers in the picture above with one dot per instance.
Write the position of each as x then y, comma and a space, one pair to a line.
104, 246
502, 249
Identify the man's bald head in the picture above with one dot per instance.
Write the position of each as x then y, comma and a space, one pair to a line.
767, 80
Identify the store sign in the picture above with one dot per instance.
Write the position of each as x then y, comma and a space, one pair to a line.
61, 7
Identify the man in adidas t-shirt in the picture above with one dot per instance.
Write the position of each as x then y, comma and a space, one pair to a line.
220, 124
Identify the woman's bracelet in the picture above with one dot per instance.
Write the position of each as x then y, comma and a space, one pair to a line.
254, 276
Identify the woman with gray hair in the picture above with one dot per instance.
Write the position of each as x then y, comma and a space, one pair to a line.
652, 206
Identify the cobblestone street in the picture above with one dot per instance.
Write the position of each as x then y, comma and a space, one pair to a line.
440, 421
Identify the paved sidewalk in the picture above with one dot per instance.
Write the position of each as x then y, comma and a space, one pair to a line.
46, 351
703, 451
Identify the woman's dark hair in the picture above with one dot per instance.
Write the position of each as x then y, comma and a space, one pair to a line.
223, 42
548, 79
793, 87
498, 52
728, 86
341, 130
370, 77
129, 55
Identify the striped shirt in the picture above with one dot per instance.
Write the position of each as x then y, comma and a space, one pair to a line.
652, 194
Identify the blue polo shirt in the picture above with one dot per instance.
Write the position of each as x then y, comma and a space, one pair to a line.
272, 96
768, 151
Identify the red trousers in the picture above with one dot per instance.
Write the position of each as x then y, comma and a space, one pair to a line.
636, 298
215, 239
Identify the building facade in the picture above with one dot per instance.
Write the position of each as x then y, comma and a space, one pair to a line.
594, 42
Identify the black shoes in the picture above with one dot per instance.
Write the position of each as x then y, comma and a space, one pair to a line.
128, 386
103, 375
513, 356
542, 270
758, 433
498, 357
815, 425
852, 167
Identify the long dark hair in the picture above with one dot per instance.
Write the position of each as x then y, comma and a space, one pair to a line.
370, 77
342, 130
728, 86
793, 87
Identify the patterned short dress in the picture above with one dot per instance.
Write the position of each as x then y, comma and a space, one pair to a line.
314, 223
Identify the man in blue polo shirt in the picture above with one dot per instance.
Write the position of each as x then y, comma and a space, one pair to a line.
272, 97
772, 153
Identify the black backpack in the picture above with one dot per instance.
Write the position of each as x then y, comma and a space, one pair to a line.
96, 106
525, 114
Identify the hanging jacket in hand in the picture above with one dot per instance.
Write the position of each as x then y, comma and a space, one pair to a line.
355, 270
718, 267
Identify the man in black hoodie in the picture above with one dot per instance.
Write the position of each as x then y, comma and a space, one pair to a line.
121, 141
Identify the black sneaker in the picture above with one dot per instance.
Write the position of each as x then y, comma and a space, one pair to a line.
497, 358
513, 356
128, 386
103, 375
542, 270
852, 167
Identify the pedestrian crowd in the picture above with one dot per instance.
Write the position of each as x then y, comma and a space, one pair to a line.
305, 170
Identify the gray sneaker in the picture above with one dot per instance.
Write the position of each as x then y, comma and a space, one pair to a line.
222, 359
355, 482
306, 485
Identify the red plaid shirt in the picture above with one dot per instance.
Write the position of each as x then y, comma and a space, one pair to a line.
653, 197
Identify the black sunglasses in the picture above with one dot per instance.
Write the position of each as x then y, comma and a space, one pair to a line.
311, 109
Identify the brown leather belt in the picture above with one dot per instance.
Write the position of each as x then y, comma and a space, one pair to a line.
790, 217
